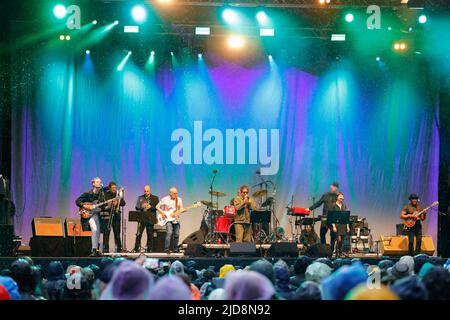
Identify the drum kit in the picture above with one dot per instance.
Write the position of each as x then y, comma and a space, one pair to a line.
220, 223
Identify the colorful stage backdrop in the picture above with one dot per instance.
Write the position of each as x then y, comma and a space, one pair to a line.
370, 126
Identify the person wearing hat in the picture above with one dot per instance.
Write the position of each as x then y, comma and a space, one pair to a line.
328, 200
416, 231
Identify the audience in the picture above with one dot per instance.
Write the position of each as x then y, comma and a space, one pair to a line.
410, 278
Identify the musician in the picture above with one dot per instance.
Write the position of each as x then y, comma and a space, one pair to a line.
243, 204
146, 203
170, 203
86, 200
112, 210
407, 211
328, 200
340, 231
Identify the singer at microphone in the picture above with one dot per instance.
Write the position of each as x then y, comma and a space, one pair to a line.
243, 205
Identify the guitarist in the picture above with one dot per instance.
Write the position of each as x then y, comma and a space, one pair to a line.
170, 203
407, 211
146, 203
96, 194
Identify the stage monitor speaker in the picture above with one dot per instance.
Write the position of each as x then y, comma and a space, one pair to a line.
48, 246
196, 237
74, 229
319, 250
197, 250
398, 245
283, 249
243, 249
6, 240
47, 227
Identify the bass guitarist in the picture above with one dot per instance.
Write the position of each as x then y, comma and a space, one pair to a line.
86, 201
167, 204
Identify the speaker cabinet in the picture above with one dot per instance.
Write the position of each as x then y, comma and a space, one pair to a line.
74, 229
47, 227
283, 249
6, 240
159, 237
398, 245
243, 249
319, 250
48, 246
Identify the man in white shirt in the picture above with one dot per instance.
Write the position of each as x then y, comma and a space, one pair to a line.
165, 207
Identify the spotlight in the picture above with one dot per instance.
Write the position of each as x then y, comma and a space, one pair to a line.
349, 17
129, 52
67, 37
88, 51
410, 29
324, 1
138, 13
236, 42
61, 37
423, 18
270, 57
116, 22
59, 11
378, 58
152, 53
230, 16
165, 1
94, 22
261, 17
402, 46
200, 55
389, 28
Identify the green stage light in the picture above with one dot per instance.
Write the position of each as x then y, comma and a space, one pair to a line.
124, 61
423, 18
349, 17
378, 58
116, 22
59, 11
67, 37
88, 51
230, 16
94, 22
61, 37
261, 17
139, 13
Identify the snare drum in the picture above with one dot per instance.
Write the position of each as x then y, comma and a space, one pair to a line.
229, 212
223, 225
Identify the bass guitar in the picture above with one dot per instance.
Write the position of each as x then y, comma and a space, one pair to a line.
171, 215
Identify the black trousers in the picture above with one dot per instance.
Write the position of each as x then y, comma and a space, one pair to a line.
415, 231
333, 235
145, 225
106, 229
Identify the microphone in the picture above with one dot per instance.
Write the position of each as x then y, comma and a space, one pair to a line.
215, 171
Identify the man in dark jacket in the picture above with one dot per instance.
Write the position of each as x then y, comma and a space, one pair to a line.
328, 200
146, 203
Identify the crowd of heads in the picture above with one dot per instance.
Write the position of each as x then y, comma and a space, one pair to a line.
410, 278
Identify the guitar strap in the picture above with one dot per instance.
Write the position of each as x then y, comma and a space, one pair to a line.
176, 208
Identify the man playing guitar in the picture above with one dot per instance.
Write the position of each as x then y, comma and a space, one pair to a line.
87, 201
408, 211
168, 204
146, 203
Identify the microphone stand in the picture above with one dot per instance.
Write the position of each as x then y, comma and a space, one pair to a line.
211, 210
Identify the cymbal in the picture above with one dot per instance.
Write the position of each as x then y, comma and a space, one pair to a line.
208, 204
259, 193
217, 193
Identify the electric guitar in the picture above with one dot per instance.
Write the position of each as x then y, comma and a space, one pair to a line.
410, 221
172, 214
88, 213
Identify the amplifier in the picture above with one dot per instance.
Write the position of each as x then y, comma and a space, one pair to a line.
74, 229
47, 227
398, 245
